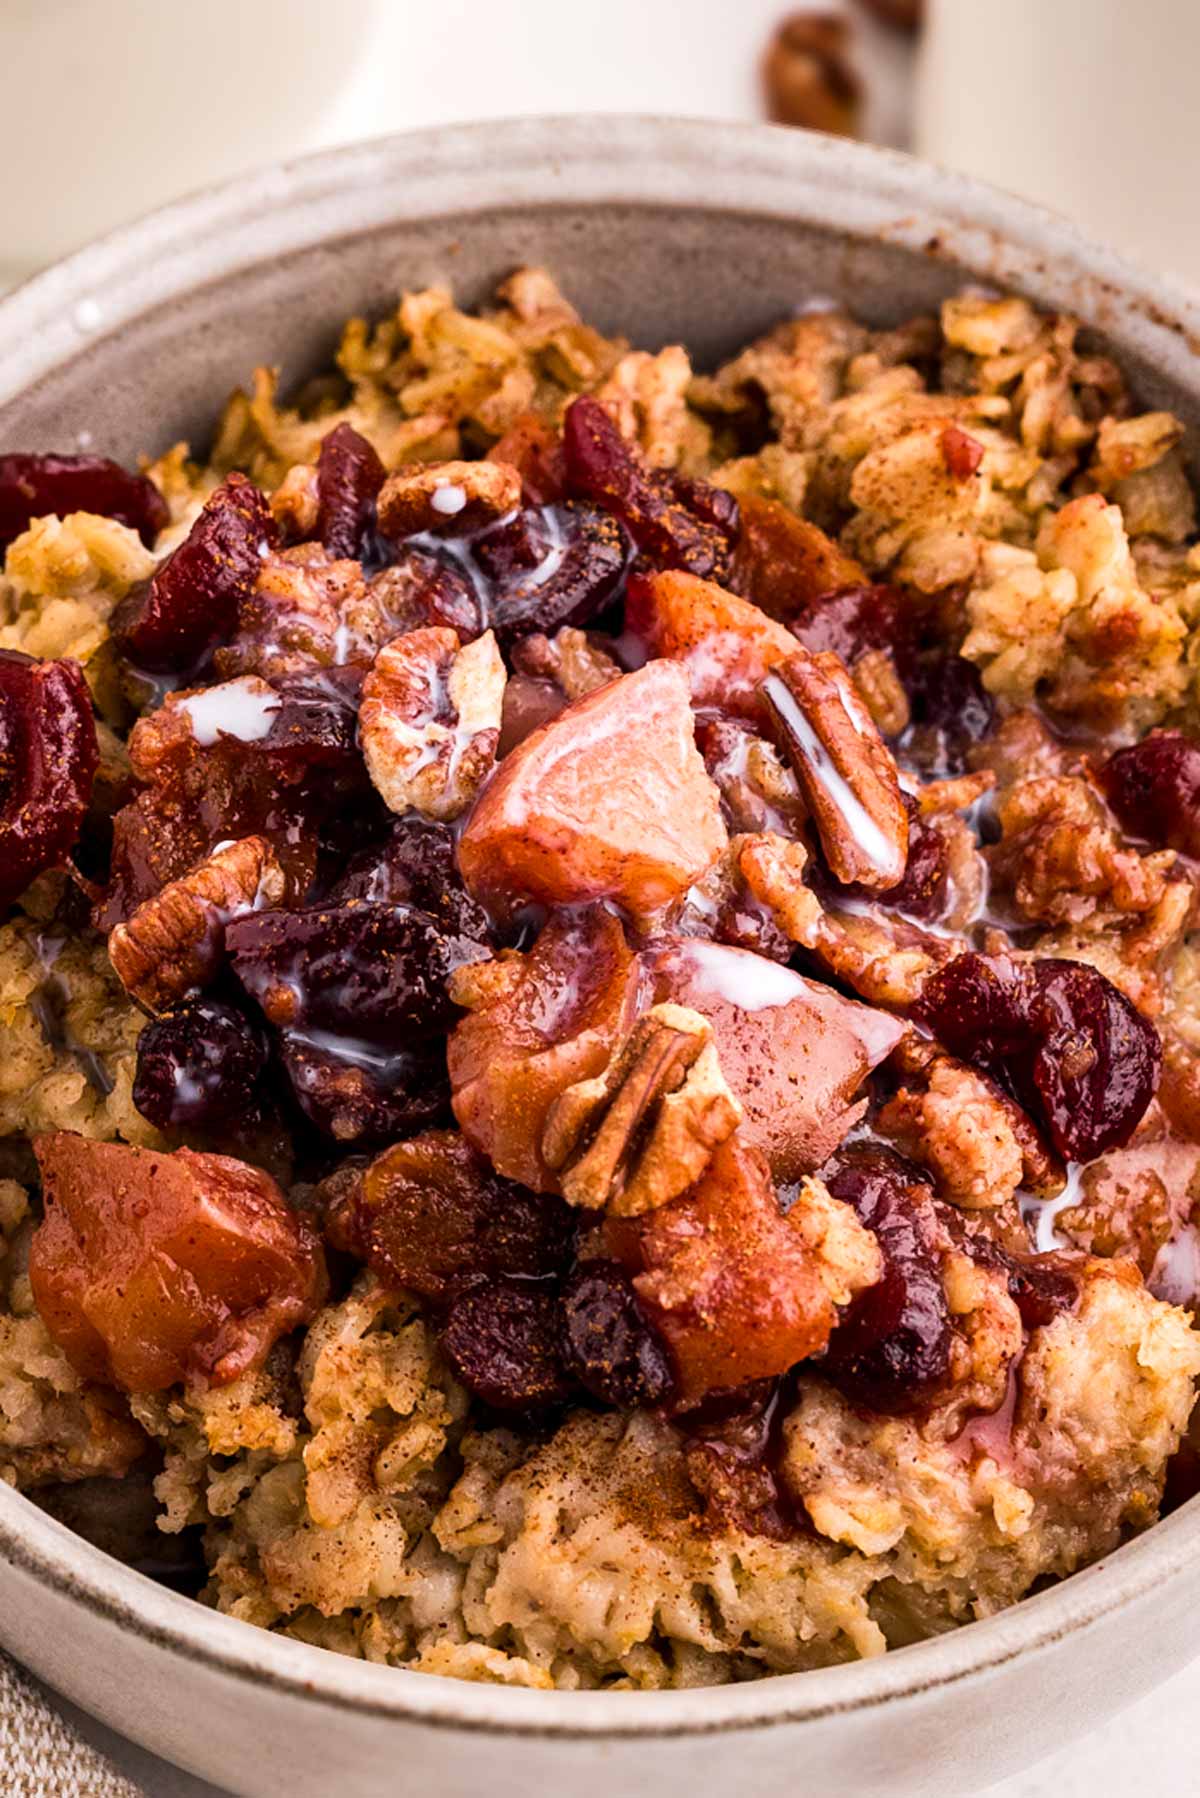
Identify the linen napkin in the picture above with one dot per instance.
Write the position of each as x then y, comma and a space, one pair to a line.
41, 1756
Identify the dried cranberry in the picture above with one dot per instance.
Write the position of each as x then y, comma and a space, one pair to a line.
734, 1447
415, 864
48, 760
1056, 1035
533, 571
676, 522
892, 1349
961, 454
1154, 789
922, 892
199, 1066
33, 485
191, 601
535, 451
608, 1343
502, 1341
349, 476
1040, 1289
432, 1215
951, 710
316, 725
857, 619
360, 972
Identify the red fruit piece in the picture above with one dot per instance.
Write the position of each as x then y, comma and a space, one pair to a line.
502, 1340
148, 1269
727, 645
857, 619
431, 1215
795, 1053
33, 485
536, 1024
349, 477
609, 800
1154, 789
892, 1349
961, 453
48, 759
536, 452
166, 624
784, 563
1058, 1036
676, 522
727, 1281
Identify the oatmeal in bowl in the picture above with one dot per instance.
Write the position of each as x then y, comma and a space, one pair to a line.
599, 1066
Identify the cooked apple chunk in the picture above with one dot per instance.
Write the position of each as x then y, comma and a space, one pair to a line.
610, 800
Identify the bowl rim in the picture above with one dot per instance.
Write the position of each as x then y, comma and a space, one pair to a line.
638, 161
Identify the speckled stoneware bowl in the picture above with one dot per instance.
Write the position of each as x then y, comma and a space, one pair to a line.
665, 230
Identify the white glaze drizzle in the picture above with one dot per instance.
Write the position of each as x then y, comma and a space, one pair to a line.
1044, 1213
244, 709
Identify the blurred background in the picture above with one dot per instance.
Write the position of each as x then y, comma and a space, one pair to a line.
120, 105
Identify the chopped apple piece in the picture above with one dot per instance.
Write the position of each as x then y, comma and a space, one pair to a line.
727, 645
794, 1052
148, 1268
610, 800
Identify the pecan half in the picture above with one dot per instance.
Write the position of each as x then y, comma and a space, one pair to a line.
809, 77
175, 941
437, 494
644, 1130
846, 773
429, 721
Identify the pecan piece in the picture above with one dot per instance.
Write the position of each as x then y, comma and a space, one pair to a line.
437, 494
846, 773
640, 1133
430, 720
175, 941
809, 75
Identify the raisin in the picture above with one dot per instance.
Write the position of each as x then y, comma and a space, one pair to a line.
415, 864
356, 1093
199, 1066
502, 1340
48, 761
675, 521
33, 485
432, 1216
608, 1343
349, 477
166, 624
1057, 1036
1154, 789
362, 972
892, 1350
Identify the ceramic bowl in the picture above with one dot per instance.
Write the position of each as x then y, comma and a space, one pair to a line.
666, 230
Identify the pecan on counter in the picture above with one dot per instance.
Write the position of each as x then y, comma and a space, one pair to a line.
637, 1135
429, 721
846, 772
174, 942
809, 77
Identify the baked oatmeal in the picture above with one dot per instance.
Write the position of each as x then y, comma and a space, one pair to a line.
600, 997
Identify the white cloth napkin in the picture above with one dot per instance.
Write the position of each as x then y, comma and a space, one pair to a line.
41, 1756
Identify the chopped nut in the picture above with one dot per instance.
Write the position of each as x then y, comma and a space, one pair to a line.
955, 795
439, 493
848, 1256
846, 773
174, 942
430, 720
294, 503
808, 77
643, 1131
882, 692
569, 658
